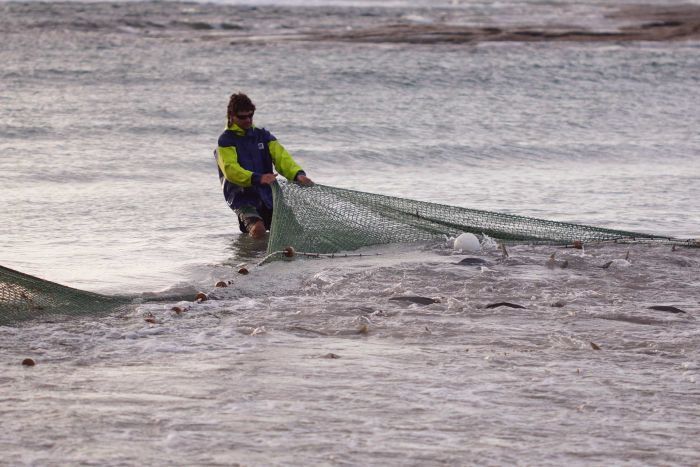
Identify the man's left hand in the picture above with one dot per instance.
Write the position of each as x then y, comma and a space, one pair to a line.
304, 180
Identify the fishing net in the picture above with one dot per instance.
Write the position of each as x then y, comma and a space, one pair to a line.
25, 297
324, 219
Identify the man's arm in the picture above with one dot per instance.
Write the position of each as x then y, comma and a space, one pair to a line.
286, 165
227, 159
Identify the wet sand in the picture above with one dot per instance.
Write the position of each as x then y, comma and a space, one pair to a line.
638, 23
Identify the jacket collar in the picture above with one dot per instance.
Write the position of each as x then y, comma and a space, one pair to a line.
238, 130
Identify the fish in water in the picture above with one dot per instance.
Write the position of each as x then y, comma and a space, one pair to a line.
509, 305
553, 263
618, 263
668, 308
416, 299
473, 262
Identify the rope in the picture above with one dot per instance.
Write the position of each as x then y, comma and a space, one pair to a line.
687, 243
289, 252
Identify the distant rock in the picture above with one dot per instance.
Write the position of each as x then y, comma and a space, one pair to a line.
633, 23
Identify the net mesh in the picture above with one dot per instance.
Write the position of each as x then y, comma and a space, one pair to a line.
324, 219
25, 297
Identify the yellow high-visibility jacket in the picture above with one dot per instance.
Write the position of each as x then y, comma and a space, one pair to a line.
243, 156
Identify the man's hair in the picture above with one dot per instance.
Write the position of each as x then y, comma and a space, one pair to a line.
238, 102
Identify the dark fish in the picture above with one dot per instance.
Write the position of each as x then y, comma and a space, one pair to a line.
633, 319
509, 305
622, 263
416, 299
472, 262
670, 309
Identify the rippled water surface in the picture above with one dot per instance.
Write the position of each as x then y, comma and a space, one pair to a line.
110, 113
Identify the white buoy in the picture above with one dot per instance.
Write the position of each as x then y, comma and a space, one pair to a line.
467, 242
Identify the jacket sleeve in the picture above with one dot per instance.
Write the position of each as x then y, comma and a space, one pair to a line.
227, 159
284, 163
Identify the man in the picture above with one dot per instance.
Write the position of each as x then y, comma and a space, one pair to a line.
245, 158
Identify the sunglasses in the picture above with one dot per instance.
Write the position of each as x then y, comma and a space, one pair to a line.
245, 117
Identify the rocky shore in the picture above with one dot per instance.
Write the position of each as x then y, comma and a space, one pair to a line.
638, 23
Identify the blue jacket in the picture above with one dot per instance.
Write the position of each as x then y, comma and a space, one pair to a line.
242, 157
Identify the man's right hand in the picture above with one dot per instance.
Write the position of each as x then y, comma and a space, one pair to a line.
266, 179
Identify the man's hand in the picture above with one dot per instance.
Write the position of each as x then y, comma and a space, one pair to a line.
266, 179
304, 180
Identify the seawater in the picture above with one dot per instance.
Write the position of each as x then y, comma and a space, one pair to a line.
110, 113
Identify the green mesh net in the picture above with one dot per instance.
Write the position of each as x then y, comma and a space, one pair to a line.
324, 219
25, 297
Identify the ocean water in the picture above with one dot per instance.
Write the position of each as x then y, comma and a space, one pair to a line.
110, 112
